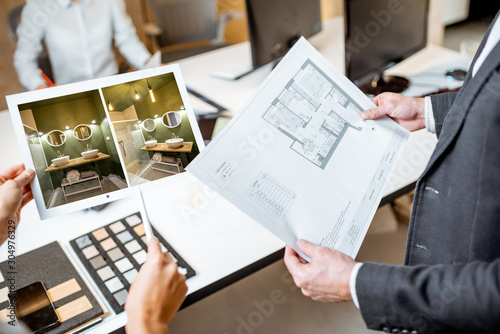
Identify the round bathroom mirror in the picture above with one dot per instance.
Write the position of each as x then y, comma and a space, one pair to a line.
171, 119
149, 124
82, 132
56, 138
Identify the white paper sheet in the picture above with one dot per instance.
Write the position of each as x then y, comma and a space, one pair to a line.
299, 159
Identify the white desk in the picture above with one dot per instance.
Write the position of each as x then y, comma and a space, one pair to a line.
216, 250
231, 245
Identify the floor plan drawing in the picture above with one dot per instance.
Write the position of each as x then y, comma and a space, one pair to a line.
315, 113
299, 159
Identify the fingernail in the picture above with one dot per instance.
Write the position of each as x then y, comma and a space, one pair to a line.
364, 114
29, 172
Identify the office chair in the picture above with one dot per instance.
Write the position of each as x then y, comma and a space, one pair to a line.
13, 19
188, 27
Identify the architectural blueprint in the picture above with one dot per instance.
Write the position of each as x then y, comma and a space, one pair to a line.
299, 159
314, 112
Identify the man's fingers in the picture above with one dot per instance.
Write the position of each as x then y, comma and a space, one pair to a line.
307, 248
25, 177
291, 259
381, 108
290, 251
373, 113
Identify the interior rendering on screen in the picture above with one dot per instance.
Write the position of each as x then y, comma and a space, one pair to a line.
380, 34
95, 142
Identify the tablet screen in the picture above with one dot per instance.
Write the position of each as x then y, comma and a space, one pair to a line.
91, 142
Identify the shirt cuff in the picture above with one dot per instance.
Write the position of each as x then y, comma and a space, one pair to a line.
430, 122
352, 283
144, 59
33, 84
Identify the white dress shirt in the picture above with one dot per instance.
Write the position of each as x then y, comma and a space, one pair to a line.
79, 39
430, 125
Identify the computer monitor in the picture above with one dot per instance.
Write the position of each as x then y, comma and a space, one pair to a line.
380, 34
274, 26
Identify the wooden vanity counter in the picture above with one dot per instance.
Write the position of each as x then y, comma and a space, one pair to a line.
186, 148
77, 162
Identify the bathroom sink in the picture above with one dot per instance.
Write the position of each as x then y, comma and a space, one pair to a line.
61, 160
151, 143
90, 154
175, 142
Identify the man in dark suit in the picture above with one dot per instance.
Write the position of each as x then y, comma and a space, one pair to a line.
451, 278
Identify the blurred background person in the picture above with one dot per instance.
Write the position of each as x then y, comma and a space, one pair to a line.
79, 36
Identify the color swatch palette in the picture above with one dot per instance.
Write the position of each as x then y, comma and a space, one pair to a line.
113, 255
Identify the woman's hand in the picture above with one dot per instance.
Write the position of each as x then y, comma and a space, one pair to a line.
156, 294
15, 193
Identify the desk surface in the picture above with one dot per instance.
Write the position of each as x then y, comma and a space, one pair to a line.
220, 242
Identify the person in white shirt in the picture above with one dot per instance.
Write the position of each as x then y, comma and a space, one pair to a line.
79, 36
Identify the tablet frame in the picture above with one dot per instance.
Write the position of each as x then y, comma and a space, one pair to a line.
13, 102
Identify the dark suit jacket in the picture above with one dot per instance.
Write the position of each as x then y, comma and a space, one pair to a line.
451, 278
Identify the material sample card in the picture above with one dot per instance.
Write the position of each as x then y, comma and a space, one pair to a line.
76, 305
300, 160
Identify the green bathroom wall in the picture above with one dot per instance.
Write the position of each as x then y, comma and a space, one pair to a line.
36, 151
168, 98
71, 113
114, 165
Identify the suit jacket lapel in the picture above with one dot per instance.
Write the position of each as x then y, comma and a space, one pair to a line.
467, 95
468, 77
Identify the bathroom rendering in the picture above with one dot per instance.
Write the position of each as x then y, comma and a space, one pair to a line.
72, 146
152, 128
